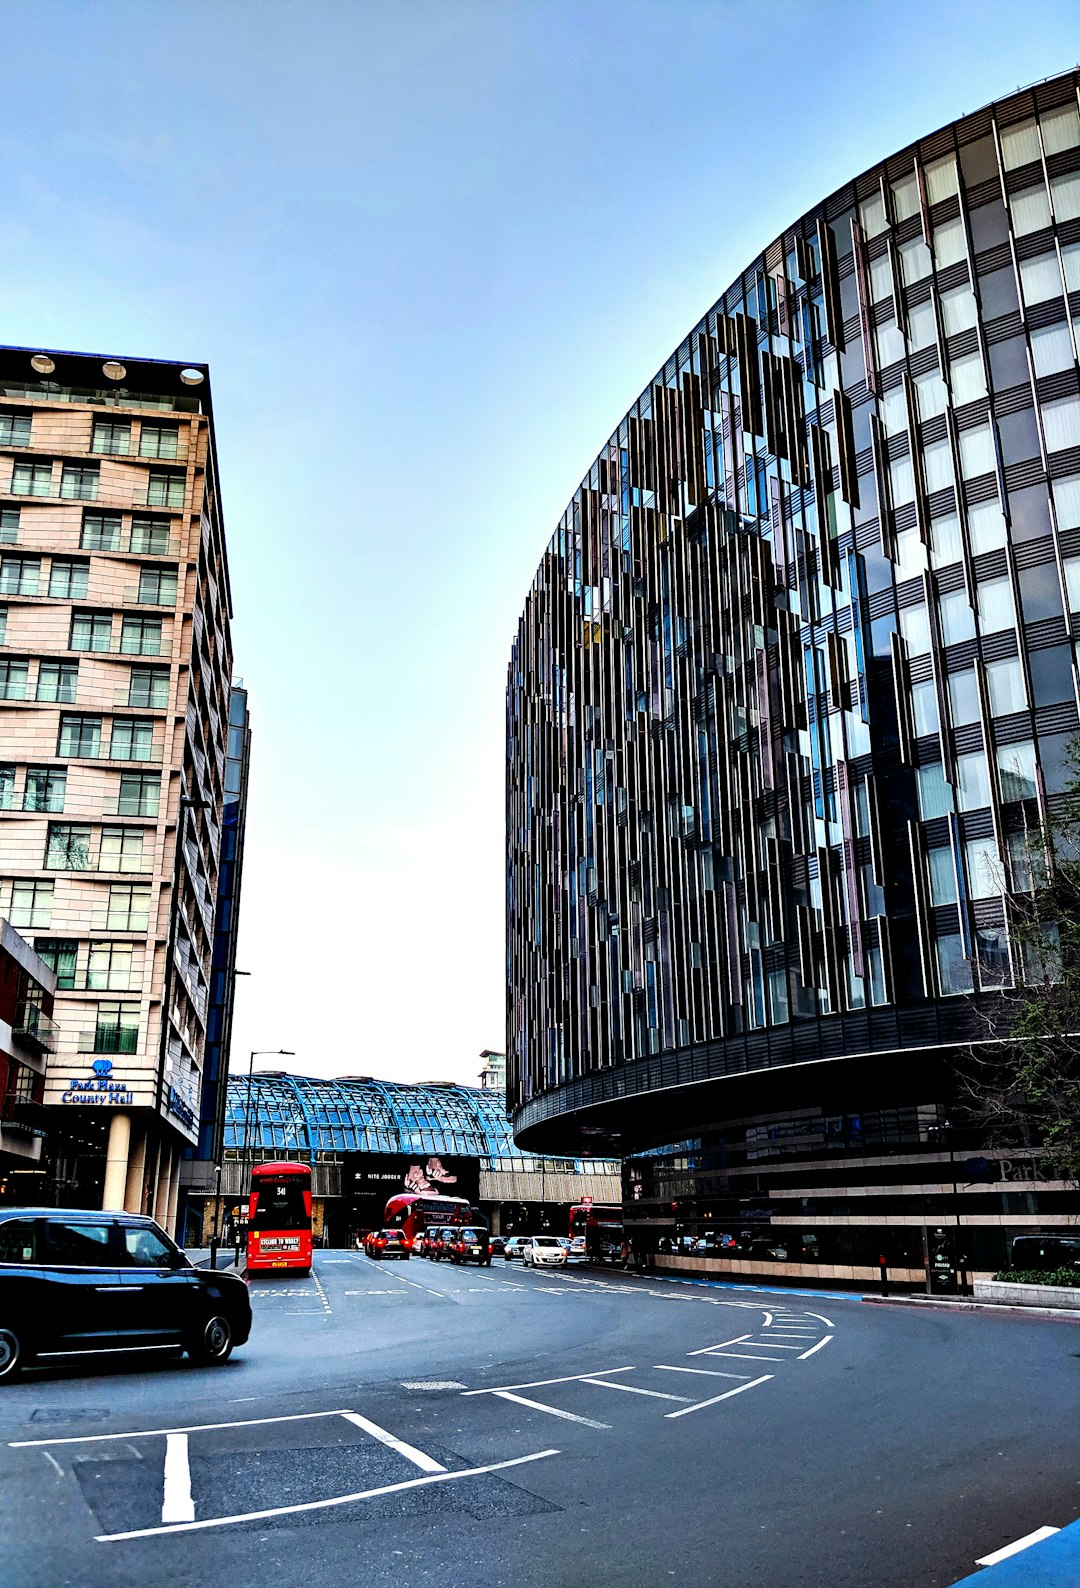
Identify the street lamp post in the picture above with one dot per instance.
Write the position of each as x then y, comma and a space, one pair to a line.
215, 1239
247, 1155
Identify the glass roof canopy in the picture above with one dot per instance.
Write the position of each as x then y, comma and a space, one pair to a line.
304, 1115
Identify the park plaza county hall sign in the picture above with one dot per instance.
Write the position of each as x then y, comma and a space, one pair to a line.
100, 1089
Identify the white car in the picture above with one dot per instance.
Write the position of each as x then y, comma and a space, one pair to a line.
543, 1251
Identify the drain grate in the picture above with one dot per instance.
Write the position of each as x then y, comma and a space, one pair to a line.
75, 1414
432, 1384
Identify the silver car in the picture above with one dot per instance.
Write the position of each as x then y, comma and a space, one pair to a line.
543, 1251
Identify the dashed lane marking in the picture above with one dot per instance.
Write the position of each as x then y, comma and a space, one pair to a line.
705, 1372
322, 1505
705, 1349
633, 1389
542, 1383
177, 1504
552, 1411
684, 1411
814, 1348
417, 1457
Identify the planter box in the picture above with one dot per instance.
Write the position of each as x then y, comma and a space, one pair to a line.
1010, 1295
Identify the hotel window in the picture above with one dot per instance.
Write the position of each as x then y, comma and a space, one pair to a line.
79, 737
881, 282
20, 575
100, 532
937, 467
967, 378
977, 455
959, 311
45, 788
141, 636
91, 631
13, 678
954, 971
165, 490
140, 794
31, 904
905, 198
915, 629
15, 430
61, 955
992, 953
109, 967
1030, 210
901, 481
946, 546
129, 907
1025, 861
1061, 424
1066, 192
1060, 129
963, 698
58, 681
972, 782
942, 876
889, 340
996, 608
67, 847
915, 261
80, 480
151, 536
122, 849
69, 578
957, 618
7, 787
924, 707
1005, 681
950, 244
31, 479
1040, 278
1020, 145
132, 739
941, 179
148, 686
1052, 349
111, 435
987, 530
157, 587
9, 525
932, 395
158, 441
117, 1029
921, 326
1067, 501
985, 872
1016, 771
935, 795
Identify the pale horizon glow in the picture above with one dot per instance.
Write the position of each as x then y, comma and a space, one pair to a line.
431, 252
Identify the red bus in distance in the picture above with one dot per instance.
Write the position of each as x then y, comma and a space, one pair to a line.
412, 1212
279, 1217
595, 1227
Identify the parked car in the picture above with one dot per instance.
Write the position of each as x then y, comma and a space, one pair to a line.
387, 1243
470, 1244
74, 1282
543, 1251
514, 1246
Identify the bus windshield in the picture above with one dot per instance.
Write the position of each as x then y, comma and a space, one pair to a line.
279, 1205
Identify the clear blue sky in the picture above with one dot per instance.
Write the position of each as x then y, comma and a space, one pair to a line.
432, 250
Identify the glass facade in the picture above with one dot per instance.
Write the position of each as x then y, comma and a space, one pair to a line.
797, 668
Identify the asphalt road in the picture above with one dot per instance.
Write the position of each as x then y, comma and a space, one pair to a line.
473, 1428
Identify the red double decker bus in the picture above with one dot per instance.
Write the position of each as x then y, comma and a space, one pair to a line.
279, 1217
412, 1212
596, 1230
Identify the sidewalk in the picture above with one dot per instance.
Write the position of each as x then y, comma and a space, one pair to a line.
1052, 1562
969, 1304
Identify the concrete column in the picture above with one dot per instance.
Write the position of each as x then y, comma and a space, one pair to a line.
133, 1196
116, 1162
174, 1193
164, 1181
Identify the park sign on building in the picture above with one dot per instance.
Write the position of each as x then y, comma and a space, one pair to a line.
99, 1089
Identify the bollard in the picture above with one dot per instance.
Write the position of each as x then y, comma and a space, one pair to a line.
883, 1264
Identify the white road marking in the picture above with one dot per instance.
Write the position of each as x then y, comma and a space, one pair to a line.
705, 1349
706, 1372
771, 1345
432, 1384
552, 1411
541, 1383
155, 1433
741, 1356
1021, 1543
322, 1505
410, 1452
176, 1502
51, 1459
820, 1319
632, 1389
754, 1382
323, 1297
824, 1341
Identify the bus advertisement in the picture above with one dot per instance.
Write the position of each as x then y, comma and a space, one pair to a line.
413, 1212
596, 1231
279, 1217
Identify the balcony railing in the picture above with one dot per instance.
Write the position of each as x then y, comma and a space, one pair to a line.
126, 865
120, 805
104, 752
32, 1026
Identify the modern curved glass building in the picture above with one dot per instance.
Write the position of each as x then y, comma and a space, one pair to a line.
793, 684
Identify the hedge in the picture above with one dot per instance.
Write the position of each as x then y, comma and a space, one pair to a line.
1067, 1277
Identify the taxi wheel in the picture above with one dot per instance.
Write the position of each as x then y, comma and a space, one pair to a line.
11, 1354
214, 1342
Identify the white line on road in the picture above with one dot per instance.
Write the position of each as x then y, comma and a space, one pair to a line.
824, 1341
686, 1410
705, 1349
322, 1505
192, 1428
541, 1383
820, 1319
632, 1389
1021, 1543
410, 1452
552, 1411
706, 1372
176, 1502
741, 1356
325, 1299
771, 1345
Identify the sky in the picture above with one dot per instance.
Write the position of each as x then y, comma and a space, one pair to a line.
432, 250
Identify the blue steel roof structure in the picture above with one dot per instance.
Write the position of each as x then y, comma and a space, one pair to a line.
298, 1113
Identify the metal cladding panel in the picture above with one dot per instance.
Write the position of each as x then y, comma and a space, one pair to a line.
815, 579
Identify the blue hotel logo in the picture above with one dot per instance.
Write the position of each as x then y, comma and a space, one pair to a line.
102, 1066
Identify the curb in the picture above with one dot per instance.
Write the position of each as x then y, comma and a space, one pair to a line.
966, 1304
